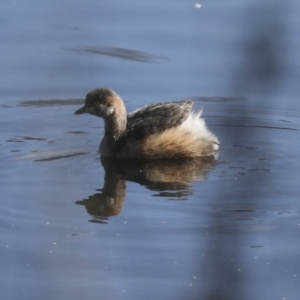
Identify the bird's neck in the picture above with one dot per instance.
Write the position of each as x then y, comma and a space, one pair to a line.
115, 127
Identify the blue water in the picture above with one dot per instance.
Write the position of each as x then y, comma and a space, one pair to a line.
73, 227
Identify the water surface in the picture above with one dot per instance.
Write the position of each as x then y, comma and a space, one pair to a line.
75, 226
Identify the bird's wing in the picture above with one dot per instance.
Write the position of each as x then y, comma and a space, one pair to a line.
156, 118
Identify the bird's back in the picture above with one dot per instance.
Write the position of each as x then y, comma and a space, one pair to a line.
156, 118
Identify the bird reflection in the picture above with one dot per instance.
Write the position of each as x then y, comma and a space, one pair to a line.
169, 178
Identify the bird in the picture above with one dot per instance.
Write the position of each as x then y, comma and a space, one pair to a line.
155, 131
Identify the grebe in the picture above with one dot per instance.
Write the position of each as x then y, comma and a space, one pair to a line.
161, 130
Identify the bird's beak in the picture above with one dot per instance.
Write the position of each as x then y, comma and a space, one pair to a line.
81, 110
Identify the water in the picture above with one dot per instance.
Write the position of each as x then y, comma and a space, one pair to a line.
73, 226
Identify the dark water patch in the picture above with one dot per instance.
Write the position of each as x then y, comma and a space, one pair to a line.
284, 212
258, 246
15, 141
256, 126
226, 118
217, 99
239, 210
245, 147
77, 132
99, 220
237, 228
52, 154
30, 138
177, 195
233, 167
15, 150
5, 106
222, 162
51, 142
63, 27
61, 156
121, 53
51, 102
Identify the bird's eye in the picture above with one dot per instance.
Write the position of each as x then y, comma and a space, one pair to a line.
97, 103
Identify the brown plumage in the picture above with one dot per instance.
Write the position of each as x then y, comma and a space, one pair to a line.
161, 130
